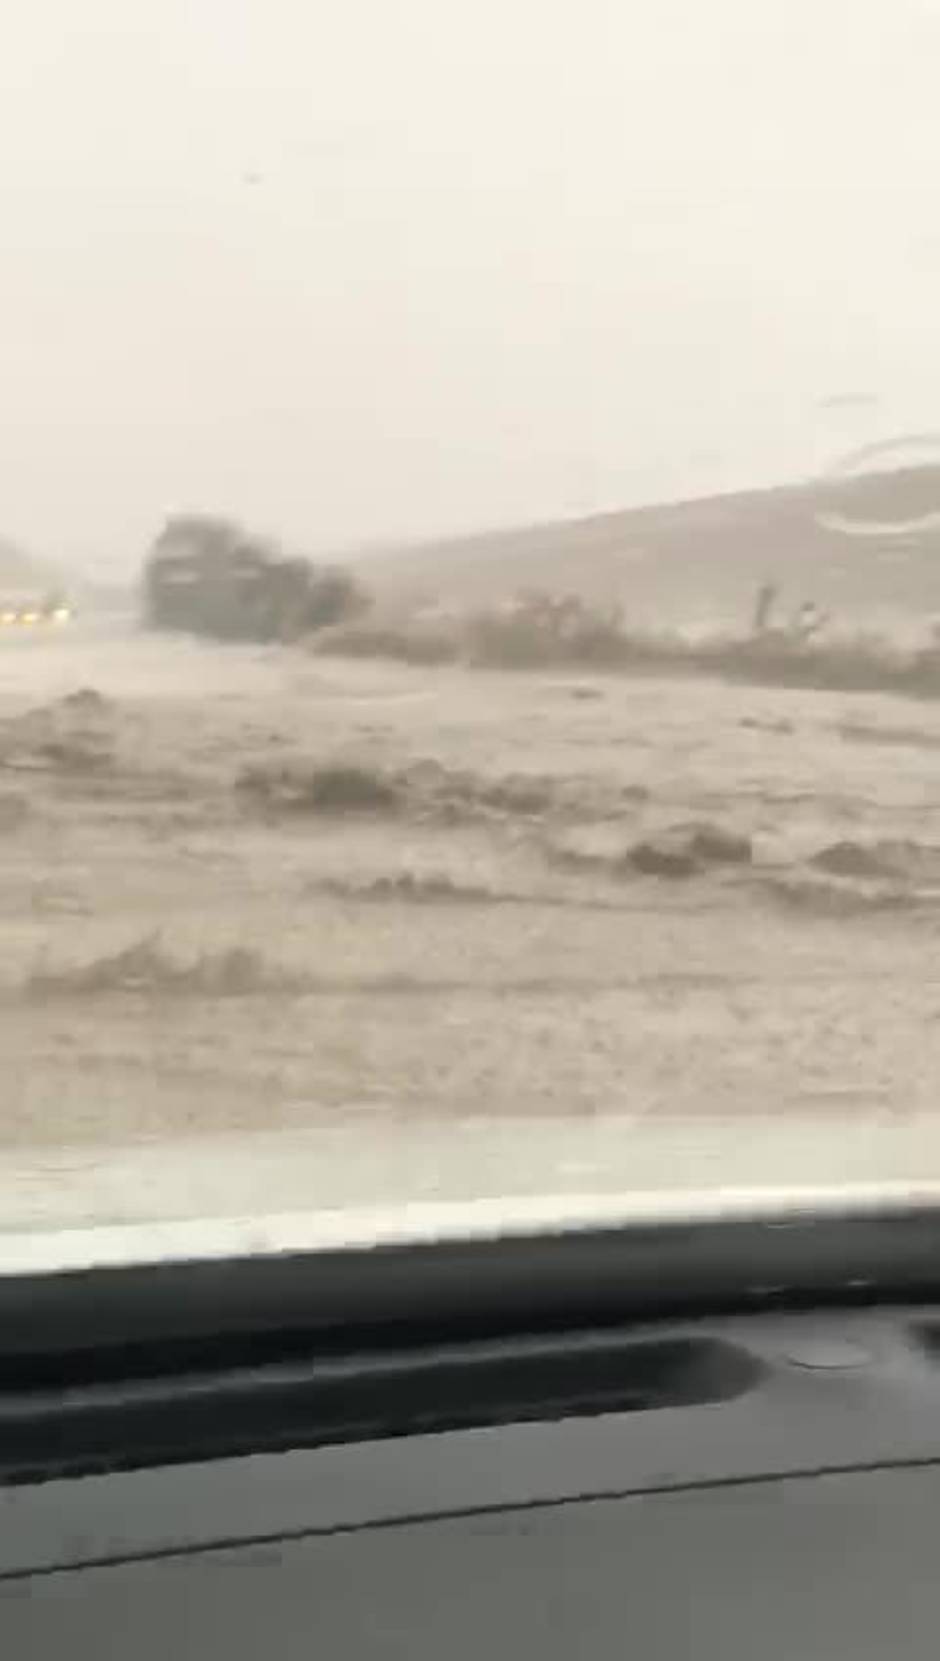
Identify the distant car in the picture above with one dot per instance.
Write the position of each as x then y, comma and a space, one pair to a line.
29, 610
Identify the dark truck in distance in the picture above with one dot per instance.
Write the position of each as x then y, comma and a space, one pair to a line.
209, 576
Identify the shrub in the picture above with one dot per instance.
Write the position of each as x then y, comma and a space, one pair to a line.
543, 629
406, 643
324, 787
146, 967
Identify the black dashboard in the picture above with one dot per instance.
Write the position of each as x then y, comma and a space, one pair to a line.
532, 1446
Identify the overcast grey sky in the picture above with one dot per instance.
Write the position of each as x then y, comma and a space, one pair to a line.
371, 268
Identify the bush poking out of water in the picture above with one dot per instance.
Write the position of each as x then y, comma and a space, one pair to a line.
664, 857
545, 629
539, 631
854, 859
716, 845
405, 643
75, 734
813, 896
308, 787
418, 888
425, 788
146, 967
687, 850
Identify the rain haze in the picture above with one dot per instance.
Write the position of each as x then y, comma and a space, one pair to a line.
372, 272
519, 840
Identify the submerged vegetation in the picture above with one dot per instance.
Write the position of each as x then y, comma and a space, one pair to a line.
538, 631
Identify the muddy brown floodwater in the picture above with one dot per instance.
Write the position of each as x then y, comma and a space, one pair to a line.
324, 932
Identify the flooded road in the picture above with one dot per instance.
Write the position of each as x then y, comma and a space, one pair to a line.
284, 930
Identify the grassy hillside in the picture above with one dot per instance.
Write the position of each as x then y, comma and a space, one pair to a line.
703, 558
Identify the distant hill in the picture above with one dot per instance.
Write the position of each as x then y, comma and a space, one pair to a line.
704, 558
